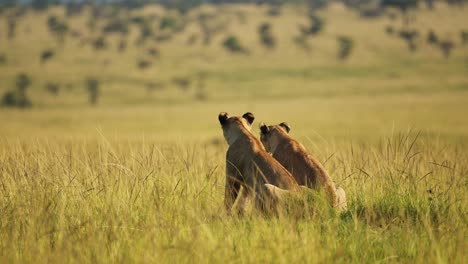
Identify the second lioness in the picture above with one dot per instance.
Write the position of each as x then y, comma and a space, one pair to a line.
304, 167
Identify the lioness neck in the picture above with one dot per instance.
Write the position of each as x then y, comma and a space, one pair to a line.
237, 133
279, 138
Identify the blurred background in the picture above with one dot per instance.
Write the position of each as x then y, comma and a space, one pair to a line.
338, 69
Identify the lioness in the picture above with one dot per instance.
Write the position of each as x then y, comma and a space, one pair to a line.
304, 167
249, 165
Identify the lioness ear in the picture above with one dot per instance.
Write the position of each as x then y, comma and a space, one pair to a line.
222, 117
286, 126
249, 117
264, 128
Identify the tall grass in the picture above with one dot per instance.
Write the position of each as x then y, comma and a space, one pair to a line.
100, 201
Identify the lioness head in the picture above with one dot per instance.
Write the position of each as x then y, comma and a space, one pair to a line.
269, 135
232, 126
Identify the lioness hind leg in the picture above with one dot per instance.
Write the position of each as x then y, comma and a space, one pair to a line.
342, 205
276, 192
243, 201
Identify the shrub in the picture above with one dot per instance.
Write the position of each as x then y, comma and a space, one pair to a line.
410, 37
22, 82
57, 27
369, 12
9, 99
18, 97
464, 37
40, 4
11, 27
153, 52
116, 26
100, 43
122, 45
446, 46
47, 55
93, 90
145, 32
346, 45
274, 11
3, 59
389, 30
183, 83
266, 36
143, 64
432, 38
232, 44
315, 27
168, 22
52, 88
403, 5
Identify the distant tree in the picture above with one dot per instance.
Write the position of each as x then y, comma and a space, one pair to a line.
232, 44
18, 98
316, 4
100, 43
183, 83
9, 99
430, 4
52, 88
11, 23
403, 5
389, 30
122, 45
73, 8
410, 37
464, 37
266, 36
143, 64
446, 46
145, 32
432, 38
203, 21
116, 26
315, 27
57, 27
183, 6
168, 22
22, 82
93, 90
346, 45
456, 2
153, 52
8, 3
274, 10
47, 55
3, 59
40, 4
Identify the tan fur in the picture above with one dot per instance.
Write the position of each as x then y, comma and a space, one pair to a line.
249, 165
304, 167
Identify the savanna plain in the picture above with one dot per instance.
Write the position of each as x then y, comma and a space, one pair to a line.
139, 175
